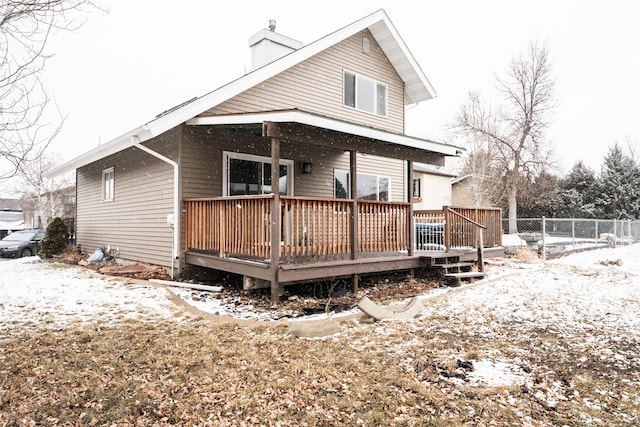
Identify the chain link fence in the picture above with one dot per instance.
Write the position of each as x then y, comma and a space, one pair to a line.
557, 236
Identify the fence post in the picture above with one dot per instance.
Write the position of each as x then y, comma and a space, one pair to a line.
597, 236
615, 232
573, 233
544, 241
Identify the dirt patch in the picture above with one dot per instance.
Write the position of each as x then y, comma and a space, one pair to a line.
298, 300
308, 299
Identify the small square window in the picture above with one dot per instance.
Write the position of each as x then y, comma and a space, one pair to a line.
108, 179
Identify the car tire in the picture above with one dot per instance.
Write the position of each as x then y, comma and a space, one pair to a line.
26, 252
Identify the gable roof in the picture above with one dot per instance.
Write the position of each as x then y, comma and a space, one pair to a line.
431, 170
417, 86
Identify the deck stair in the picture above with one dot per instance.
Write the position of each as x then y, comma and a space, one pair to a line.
454, 270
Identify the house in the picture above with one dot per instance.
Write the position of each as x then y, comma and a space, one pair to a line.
40, 209
323, 123
431, 187
11, 216
472, 190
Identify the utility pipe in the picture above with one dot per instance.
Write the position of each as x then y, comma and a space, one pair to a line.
176, 200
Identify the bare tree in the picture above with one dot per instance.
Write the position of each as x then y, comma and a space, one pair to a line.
482, 175
25, 29
513, 131
46, 196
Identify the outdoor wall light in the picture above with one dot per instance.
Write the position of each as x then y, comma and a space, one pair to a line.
306, 167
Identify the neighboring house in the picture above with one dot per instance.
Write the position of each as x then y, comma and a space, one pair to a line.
469, 190
462, 193
11, 216
60, 203
431, 188
40, 210
324, 123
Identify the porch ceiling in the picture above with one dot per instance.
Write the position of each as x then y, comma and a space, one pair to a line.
299, 126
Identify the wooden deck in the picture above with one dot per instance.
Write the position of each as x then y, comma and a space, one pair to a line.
326, 270
328, 238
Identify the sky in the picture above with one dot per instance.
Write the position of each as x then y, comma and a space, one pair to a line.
125, 66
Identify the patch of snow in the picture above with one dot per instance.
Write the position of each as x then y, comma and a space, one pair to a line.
35, 294
489, 373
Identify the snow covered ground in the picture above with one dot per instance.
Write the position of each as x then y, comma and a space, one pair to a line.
529, 325
35, 294
601, 286
590, 299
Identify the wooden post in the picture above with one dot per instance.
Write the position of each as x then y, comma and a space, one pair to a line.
447, 228
275, 220
480, 249
410, 200
354, 282
353, 175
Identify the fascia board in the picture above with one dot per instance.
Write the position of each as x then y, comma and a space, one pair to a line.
112, 147
331, 124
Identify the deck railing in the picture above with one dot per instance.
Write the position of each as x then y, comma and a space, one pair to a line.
310, 227
461, 233
429, 228
317, 228
229, 225
383, 226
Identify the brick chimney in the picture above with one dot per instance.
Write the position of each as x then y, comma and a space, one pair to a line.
267, 46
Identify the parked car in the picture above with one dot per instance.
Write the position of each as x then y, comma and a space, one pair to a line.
21, 243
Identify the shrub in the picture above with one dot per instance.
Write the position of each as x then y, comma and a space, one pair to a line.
55, 239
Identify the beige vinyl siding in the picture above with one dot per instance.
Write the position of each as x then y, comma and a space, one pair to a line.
136, 220
202, 157
201, 163
316, 85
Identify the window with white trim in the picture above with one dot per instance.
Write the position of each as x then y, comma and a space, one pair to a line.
365, 94
370, 186
108, 181
246, 174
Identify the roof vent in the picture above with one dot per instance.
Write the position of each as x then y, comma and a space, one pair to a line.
366, 46
272, 24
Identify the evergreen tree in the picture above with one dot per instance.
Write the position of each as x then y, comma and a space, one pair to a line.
579, 191
539, 197
55, 239
619, 186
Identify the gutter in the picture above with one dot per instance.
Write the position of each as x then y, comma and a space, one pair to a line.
135, 141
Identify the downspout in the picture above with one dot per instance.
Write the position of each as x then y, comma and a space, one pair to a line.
176, 201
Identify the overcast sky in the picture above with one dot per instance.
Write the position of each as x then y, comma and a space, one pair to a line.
142, 57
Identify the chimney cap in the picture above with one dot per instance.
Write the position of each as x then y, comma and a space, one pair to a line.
272, 24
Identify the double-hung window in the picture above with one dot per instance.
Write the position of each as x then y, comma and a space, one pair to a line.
246, 174
108, 179
365, 94
370, 187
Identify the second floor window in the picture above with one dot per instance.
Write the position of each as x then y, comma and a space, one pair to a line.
365, 94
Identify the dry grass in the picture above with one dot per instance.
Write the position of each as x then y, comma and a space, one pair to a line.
198, 373
527, 255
